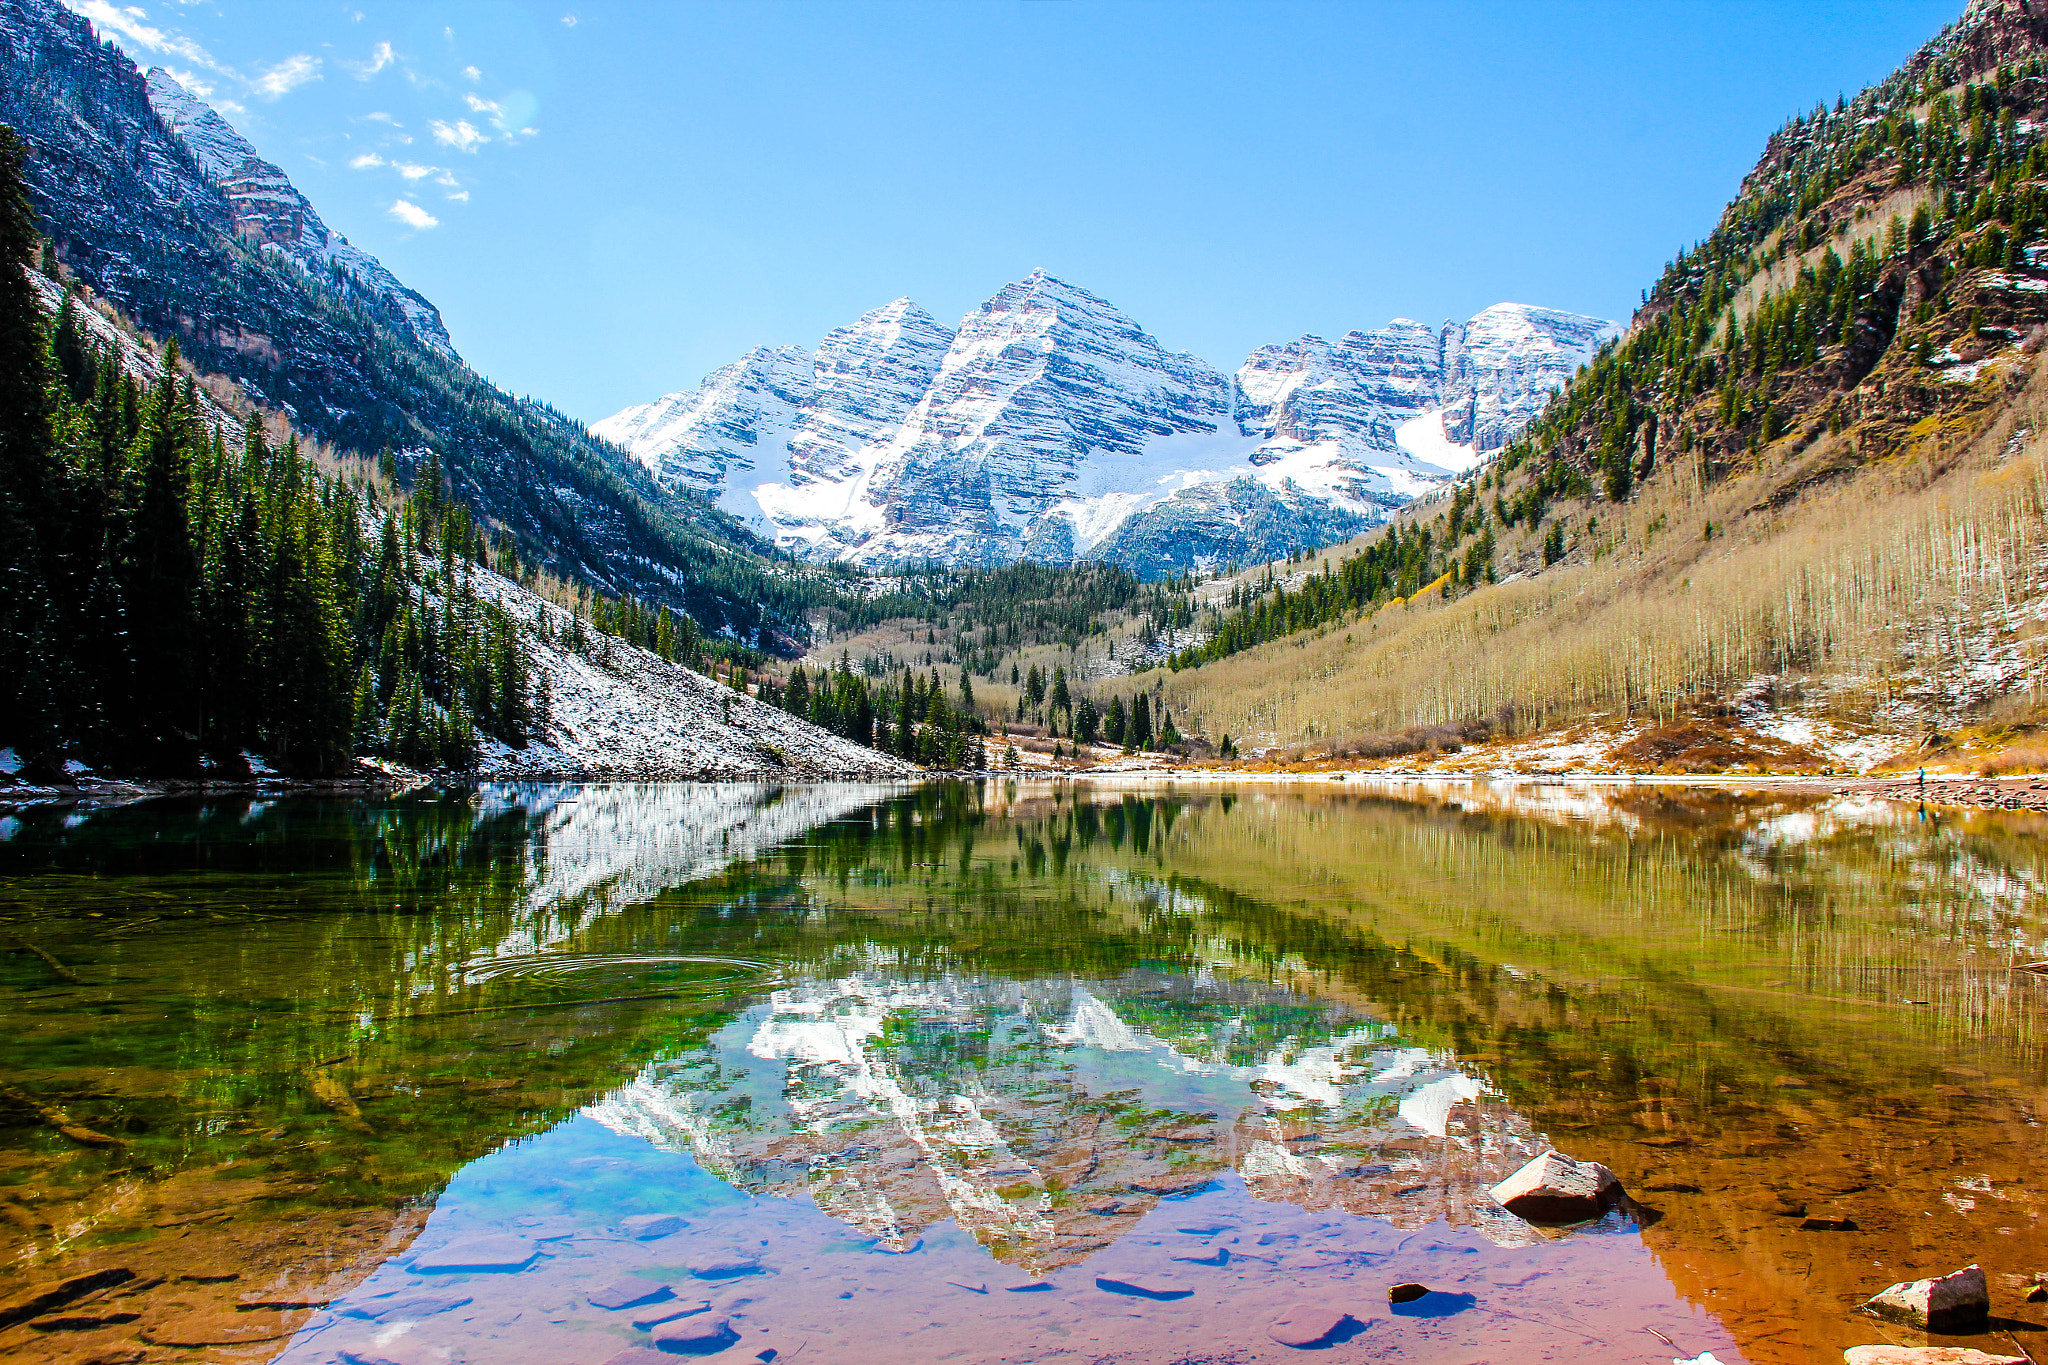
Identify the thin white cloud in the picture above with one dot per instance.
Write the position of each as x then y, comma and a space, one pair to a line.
381, 56
379, 116
479, 105
568, 21
191, 81
412, 170
459, 196
472, 73
128, 24
462, 135
367, 161
287, 76
412, 215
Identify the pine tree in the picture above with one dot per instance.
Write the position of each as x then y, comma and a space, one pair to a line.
1087, 721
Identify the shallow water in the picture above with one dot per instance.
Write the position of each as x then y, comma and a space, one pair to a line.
1010, 1072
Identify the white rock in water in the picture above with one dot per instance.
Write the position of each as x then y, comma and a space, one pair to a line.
1925, 1355
1556, 1189
1946, 1303
1306, 1324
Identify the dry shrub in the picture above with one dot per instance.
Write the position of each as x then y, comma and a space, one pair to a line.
1416, 739
2021, 758
1701, 746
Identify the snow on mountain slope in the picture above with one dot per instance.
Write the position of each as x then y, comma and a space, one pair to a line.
727, 437
269, 208
618, 712
1053, 427
1505, 362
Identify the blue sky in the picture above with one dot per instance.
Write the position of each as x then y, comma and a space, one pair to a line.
607, 200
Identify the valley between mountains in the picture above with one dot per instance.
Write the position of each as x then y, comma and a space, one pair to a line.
1790, 518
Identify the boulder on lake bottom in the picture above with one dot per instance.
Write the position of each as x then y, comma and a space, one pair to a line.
502, 1253
1956, 1302
695, 1336
1553, 1188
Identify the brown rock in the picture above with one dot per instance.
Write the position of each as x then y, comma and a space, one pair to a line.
82, 1322
57, 1293
216, 1329
1406, 1293
1956, 1302
1925, 1355
1775, 1202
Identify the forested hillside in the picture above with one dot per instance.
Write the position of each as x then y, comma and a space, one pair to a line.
1813, 457
130, 211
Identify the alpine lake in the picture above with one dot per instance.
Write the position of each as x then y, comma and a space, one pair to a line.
1011, 1071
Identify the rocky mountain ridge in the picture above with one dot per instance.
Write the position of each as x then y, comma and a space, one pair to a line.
1051, 426
269, 210
161, 209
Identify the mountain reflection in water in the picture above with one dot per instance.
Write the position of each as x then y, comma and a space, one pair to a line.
1164, 1064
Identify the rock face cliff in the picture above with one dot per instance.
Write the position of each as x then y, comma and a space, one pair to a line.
1050, 426
268, 209
150, 198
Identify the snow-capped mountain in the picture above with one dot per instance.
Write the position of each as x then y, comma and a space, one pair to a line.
1051, 426
269, 209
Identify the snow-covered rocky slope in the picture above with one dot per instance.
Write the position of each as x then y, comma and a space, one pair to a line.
269, 209
1051, 426
616, 711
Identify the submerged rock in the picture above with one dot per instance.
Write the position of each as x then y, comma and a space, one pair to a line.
1946, 1303
1925, 1355
411, 1307
1553, 1188
654, 1315
723, 1267
695, 1336
502, 1253
1143, 1286
1304, 1325
646, 1227
628, 1294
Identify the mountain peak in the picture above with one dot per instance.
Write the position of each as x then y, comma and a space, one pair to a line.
1051, 426
270, 212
